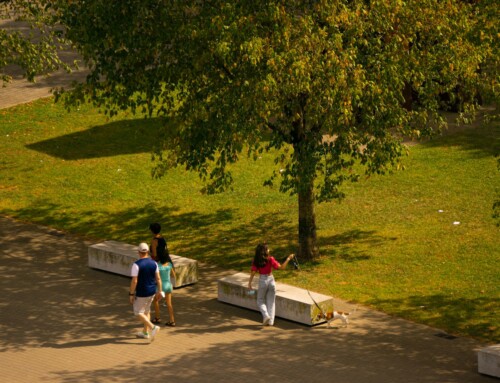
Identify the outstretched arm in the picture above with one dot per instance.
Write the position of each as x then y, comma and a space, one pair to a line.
288, 259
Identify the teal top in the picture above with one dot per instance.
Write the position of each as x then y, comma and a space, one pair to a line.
166, 284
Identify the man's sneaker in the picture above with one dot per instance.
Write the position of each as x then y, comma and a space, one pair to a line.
143, 335
266, 321
155, 331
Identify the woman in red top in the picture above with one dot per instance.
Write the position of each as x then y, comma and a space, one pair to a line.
264, 264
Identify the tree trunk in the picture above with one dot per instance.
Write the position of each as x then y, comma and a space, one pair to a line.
308, 246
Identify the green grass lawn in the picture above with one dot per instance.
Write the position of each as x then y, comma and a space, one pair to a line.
391, 244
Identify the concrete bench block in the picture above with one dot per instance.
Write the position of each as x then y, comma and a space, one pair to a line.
118, 257
488, 360
292, 303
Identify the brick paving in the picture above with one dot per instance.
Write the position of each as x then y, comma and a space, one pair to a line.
62, 322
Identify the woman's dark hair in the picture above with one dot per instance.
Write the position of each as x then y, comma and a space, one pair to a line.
164, 257
155, 228
261, 252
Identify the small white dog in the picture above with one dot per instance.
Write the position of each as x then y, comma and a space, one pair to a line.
331, 316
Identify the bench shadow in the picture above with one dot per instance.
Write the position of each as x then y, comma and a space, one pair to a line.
112, 139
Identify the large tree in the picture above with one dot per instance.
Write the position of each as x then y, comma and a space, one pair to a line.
333, 85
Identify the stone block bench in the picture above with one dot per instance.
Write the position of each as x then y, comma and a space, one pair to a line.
488, 360
292, 303
118, 257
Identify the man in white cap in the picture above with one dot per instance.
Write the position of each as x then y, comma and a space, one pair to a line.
144, 287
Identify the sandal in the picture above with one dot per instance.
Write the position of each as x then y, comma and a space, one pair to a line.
156, 321
171, 324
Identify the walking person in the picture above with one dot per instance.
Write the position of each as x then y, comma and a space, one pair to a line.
158, 243
144, 288
166, 271
264, 264
158, 249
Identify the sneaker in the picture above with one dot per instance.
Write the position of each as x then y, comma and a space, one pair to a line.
155, 331
142, 335
266, 321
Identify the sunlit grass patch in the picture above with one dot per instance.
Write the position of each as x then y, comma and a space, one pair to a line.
420, 244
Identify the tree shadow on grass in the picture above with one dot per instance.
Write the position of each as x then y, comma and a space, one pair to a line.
346, 245
130, 225
212, 237
116, 138
478, 316
479, 141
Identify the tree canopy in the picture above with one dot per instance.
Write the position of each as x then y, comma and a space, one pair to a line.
330, 84
30, 37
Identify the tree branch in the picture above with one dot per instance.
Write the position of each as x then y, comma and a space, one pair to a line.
224, 68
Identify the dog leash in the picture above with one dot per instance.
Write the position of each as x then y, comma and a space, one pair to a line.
297, 267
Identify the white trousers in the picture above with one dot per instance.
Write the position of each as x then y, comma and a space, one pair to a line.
266, 297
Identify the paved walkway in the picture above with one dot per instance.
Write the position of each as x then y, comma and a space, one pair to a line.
63, 322
20, 91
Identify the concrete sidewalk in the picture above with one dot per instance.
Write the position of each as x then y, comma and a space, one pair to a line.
63, 322
21, 91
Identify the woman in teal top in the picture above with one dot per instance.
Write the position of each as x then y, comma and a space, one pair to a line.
166, 271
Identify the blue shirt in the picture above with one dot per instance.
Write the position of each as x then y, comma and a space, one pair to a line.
146, 279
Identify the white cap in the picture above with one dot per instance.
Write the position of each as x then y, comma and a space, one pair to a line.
143, 247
